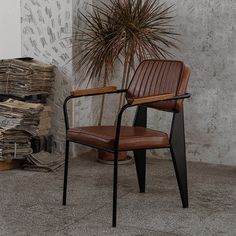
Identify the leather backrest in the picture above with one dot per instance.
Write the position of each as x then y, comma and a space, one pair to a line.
155, 77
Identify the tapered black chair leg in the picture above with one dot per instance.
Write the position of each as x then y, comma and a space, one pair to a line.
66, 172
181, 175
114, 210
178, 154
140, 163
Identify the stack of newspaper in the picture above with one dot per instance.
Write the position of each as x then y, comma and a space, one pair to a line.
44, 161
18, 123
24, 78
14, 144
44, 121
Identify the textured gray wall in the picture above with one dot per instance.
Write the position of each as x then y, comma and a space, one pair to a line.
208, 45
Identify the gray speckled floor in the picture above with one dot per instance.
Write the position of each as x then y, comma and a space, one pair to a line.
31, 201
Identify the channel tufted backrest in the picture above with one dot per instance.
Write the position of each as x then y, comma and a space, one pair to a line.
155, 77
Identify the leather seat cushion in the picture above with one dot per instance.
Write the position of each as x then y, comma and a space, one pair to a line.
130, 137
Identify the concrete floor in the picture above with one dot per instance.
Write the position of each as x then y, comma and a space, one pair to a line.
31, 201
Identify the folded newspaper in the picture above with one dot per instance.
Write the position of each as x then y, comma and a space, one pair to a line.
25, 77
18, 123
14, 144
44, 161
20, 115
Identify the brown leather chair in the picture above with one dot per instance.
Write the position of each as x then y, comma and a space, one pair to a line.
158, 84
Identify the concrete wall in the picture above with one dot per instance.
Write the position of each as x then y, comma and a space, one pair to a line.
209, 47
10, 28
207, 29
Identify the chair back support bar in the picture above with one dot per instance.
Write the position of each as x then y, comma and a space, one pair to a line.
156, 77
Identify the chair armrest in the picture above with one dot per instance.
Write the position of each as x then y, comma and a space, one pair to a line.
150, 99
157, 98
88, 92
138, 101
93, 91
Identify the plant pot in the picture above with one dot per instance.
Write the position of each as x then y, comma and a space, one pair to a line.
108, 157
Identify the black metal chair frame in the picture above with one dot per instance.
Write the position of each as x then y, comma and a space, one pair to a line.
177, 149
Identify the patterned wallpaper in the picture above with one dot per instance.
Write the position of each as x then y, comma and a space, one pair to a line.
46, 25
47, 29
46, 36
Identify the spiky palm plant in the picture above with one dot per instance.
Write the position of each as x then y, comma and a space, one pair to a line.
126, 31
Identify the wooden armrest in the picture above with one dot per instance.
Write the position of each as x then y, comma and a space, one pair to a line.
92, 91
149, 99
